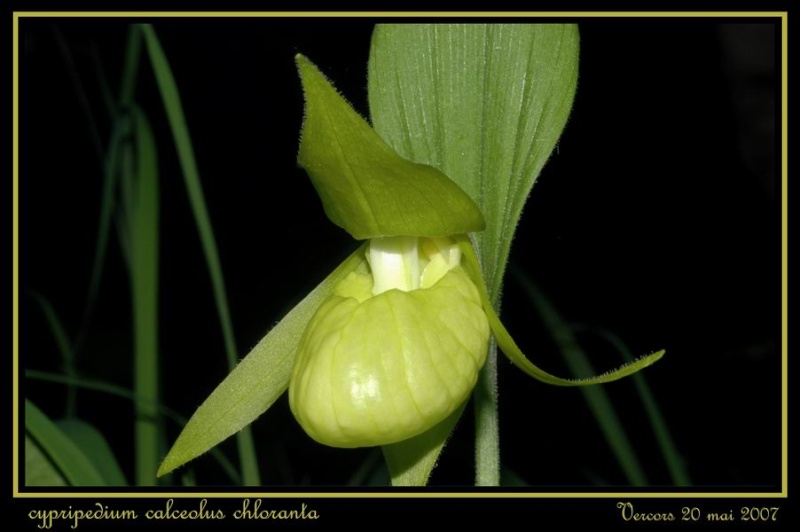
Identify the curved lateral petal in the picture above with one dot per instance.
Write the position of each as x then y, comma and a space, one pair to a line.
365, 187
506, 343
259, 379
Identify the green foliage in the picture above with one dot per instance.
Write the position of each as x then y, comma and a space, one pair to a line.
483, 103
465, 117
371, 192
183, 146
140, 217
39, 470
131, 170
94, 445
259, 379
72, 461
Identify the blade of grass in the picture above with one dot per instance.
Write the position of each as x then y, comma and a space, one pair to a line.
80, 91
138, 235
119, 391
143, 234
596, 397
183, 145
119, 131
102, 82
125, 214
675, 464
130, 72
64, 347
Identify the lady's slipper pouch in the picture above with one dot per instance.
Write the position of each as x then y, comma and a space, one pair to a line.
393, 352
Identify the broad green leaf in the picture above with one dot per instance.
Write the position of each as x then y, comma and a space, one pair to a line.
259, 379
39, 470
96, 448
365, 187
506, 343
72, 462
483, 103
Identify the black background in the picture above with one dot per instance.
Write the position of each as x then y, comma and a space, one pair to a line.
657, 218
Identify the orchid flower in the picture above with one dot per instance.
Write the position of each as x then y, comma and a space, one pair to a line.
387, 349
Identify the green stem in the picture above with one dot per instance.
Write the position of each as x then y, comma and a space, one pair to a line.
487, 429
487, 423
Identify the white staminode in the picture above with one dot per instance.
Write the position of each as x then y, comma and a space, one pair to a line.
407, 263
395, 263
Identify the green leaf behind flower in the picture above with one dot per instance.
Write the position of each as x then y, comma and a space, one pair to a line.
485, 104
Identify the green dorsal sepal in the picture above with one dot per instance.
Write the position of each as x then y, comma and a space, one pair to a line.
366, 188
